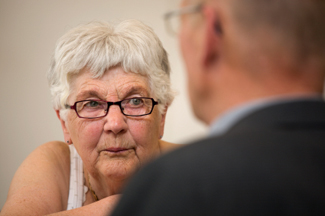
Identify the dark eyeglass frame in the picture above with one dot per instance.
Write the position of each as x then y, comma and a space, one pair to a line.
178, 12
119, 103
187, 10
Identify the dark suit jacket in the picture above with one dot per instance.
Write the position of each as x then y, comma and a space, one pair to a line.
272, 162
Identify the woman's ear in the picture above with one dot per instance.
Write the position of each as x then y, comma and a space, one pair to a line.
65, 130
212, 37
162, 122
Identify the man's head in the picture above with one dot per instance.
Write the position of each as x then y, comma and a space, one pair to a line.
241, 50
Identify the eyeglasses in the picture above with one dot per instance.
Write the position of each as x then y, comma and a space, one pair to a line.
91, 109
171, 18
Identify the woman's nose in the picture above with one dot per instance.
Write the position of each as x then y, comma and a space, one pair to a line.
115, 120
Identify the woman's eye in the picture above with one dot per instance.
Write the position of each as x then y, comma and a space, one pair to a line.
136, 101
92, 104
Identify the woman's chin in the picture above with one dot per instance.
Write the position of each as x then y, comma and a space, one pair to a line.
119, 169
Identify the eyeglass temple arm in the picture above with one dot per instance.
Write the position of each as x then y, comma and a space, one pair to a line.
188, 9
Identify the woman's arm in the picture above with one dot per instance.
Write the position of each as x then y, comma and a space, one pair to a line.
102, 207
41, 186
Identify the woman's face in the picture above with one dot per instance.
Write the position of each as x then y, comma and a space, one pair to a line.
115, 145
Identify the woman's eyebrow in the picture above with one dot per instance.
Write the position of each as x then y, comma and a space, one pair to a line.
85, 94
123, 94
135, 89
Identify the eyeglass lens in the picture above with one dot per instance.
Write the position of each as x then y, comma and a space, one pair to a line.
97, 108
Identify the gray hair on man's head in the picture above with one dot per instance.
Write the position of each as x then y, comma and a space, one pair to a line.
100, 46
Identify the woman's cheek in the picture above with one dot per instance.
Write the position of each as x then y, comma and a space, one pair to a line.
90, 131
139, 131
145, 135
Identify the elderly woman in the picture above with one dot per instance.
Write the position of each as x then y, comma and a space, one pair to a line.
111, 90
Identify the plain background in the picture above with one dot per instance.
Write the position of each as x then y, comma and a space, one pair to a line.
28, 33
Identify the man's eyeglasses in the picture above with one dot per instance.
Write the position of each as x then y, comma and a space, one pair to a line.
91, 109
171, 18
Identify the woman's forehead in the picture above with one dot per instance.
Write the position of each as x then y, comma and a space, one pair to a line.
113, 83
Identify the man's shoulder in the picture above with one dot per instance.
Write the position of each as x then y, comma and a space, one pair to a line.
244, 150
201, 153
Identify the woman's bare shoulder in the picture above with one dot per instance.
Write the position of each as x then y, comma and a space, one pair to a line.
41, 183
168, 146
55, 152
57, 148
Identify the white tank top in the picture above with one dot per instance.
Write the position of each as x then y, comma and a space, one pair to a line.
77, 188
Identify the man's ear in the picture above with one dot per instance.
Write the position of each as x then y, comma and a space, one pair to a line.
212, 37
65, 130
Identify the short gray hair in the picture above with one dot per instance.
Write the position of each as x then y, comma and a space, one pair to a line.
298, 24
100, 46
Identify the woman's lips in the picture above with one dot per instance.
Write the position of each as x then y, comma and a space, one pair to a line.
116, 150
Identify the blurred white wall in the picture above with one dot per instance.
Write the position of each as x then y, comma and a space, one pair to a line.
28, 32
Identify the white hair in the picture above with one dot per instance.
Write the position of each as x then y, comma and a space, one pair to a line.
99, 46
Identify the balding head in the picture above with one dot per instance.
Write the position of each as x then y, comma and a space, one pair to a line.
295, 28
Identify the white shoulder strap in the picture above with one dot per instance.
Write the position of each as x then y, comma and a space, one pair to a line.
77, 189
